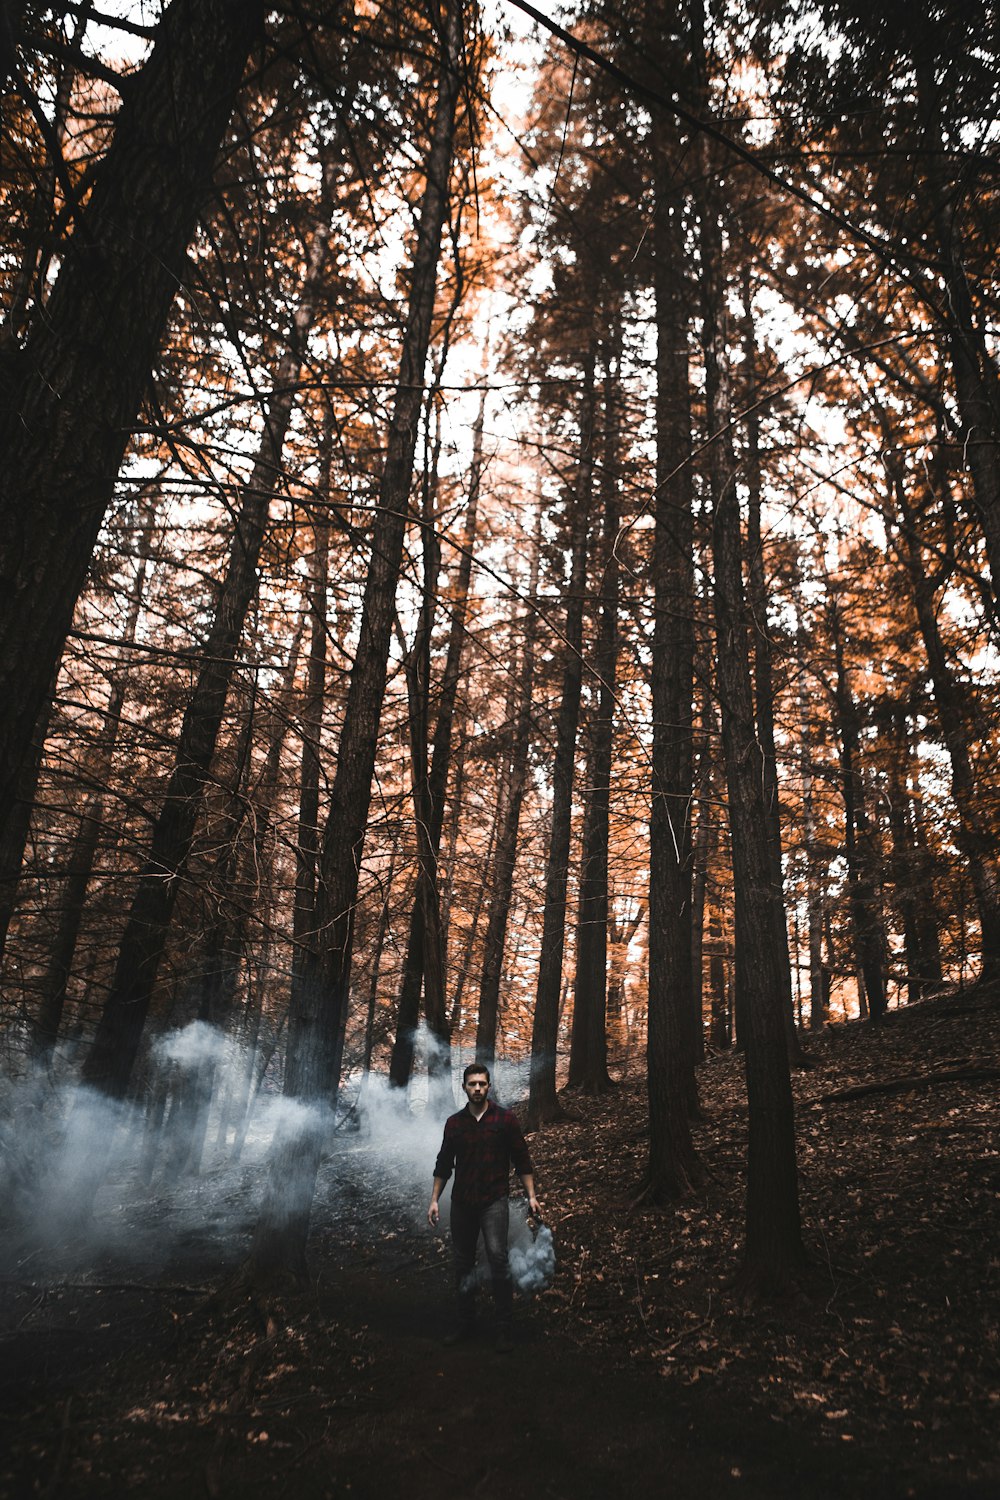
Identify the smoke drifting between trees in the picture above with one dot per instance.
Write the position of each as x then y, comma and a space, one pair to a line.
500, 536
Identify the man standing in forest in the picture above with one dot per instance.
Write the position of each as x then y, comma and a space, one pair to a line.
481, 1143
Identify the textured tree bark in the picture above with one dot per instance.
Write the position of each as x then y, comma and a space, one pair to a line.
381, 933
501, 868
863, 860
673, 1168
773, 1253
116, 1042
703, 843
307, 851
588, 1059
425, 959
763, 654
913, 890
543, 1103
280, 1241
69, 396
815, 875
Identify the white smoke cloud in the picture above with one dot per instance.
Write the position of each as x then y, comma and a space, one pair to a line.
533, 1264
192, 1045
88, 1184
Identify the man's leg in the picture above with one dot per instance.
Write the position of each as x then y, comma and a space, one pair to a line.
495, 1220
464, 1238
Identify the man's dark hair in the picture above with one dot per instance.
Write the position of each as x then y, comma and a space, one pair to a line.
476, 1068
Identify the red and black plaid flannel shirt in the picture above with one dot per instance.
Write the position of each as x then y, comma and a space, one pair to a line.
481, 1153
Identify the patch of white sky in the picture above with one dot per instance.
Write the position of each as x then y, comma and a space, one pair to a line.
114, 44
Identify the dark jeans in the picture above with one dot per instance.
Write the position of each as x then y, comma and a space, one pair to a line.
468, 1221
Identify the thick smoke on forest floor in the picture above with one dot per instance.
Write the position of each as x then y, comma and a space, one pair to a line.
89, 1182
173, 1183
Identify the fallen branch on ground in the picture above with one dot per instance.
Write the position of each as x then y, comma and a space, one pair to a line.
913, 1081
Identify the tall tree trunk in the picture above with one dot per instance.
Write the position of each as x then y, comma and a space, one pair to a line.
543, 1103
673, 1168
763, 675
914, 900
501, 869
862, 859
280, 1239
469, 947
588, 1061
773, 1252
721, 1011
307, 849
701, 852
116, 1043
69, 396
929, 915
424, 962
819, 986
381, 933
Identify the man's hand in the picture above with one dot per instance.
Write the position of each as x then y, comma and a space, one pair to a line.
534, 1207
433, 1213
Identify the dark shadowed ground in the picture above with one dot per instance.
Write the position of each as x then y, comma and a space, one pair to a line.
880, 1378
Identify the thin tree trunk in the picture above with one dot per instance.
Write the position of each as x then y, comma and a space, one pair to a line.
701, 853
859, 852
588, 1062
477, 911
501, 868
543, 1104
307, 849
721, 1024
815, 899
381, 933
763, 676
912, 898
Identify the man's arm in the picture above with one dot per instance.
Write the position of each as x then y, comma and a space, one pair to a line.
534, 1207
521, 1158
433, 1212
443, 1168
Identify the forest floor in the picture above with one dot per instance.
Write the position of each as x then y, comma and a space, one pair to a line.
637, 1367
